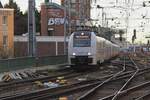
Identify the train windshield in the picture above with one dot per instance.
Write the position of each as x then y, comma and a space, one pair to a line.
82, 40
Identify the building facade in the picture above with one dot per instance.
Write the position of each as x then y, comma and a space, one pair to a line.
55, 21
6, 33
53, 29
46, 45
51, 40
52, 19
78, 12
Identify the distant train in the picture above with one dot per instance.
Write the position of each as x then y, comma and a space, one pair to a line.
86, 48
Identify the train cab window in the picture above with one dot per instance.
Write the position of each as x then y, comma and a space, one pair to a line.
82, 40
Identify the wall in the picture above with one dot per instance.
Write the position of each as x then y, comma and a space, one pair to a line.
46, 46
52, 19
7, 31
52, 27
78, 9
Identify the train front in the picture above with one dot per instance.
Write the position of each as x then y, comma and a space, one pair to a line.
81, 48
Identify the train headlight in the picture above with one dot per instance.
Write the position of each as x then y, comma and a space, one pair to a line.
89, 53
74, 54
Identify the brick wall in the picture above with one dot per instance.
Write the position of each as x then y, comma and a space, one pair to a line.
43, 49
46, 49
54, 16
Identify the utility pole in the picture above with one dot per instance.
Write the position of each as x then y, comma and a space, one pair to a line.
116, 2
65, 26
69, 16
84, 18
81, 13
31, 29
103, 15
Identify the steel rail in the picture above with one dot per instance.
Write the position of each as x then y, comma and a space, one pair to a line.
76, 88
124, 86
143, 97
110, 77
49, 94
127, 90
128, 82
125, 73
90, 92
32, 80
141, 71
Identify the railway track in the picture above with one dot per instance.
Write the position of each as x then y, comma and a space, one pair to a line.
44, 94
117, 93
96, 91
56, 92
128, 81
144, 97
19, 87
132, 88
124, 80
133, 85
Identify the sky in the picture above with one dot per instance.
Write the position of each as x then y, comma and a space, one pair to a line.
136, 14
23, 4
135, 17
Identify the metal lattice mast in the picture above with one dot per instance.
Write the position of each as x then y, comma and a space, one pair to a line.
31, 29
69, 16
80, 14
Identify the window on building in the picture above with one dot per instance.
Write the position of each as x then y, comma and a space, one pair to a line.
73, 6
50, 31
5, 20
73, 1
4, 27
5, 40
5, 33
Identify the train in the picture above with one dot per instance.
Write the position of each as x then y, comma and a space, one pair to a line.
86, 48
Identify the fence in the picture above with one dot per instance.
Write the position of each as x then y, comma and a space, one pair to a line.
28, 62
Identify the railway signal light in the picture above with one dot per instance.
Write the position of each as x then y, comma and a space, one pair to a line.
121, 32
148, 42
98, 6
144, 5
120, 38
134, 33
